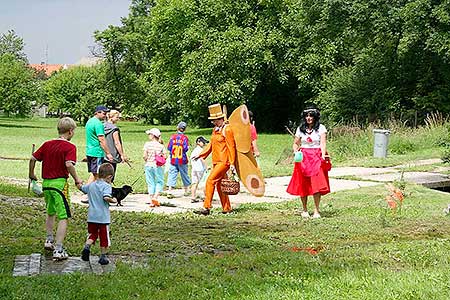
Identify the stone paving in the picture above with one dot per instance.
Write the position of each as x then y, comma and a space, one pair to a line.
35, 264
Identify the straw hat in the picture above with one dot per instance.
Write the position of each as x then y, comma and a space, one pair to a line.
215, 112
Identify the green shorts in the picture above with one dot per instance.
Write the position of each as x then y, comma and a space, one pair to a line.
56, 194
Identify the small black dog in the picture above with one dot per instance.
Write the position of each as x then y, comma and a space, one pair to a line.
121, 193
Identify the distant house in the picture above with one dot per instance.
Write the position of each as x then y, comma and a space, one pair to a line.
48, 69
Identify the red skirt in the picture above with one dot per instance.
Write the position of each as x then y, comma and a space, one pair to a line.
310, 176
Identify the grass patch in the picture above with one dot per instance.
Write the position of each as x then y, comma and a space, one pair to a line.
364, 251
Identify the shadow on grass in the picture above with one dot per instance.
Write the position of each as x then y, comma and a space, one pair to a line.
19, 126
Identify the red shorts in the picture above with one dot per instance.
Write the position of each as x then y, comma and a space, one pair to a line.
96, 230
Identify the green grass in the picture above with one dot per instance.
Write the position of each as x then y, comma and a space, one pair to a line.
366, 252
347, 148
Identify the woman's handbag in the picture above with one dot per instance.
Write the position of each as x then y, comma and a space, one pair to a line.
160, 160
230, 186
326, 164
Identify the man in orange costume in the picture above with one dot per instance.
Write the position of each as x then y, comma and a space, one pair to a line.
223, 149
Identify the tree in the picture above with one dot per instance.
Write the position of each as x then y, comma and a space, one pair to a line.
77, 91
18, 89
12, 44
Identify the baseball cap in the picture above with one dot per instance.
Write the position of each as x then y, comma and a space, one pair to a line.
182, 125
154, 132
201, 139
101, 108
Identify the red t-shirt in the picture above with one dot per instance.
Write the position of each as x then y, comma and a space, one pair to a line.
54, 155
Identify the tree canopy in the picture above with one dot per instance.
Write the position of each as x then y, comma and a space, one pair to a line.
370, 58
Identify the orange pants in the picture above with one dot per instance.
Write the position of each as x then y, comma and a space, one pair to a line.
218, 172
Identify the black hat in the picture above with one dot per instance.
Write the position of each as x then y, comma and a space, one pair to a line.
201, 139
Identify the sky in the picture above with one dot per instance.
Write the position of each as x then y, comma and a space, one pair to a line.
61, 28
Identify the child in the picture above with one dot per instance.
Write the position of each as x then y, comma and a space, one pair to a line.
99, 196
198, 166
58, 158
178, 147
154, 169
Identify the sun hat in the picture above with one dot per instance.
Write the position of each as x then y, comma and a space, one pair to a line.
154, 131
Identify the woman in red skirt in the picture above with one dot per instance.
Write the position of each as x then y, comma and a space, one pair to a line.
310, 176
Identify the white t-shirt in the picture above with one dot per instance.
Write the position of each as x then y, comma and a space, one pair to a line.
197, 165
310, 140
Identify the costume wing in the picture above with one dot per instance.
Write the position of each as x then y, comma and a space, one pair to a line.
246, 166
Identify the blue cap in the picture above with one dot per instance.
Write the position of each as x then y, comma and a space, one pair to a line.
101, 108
182, 125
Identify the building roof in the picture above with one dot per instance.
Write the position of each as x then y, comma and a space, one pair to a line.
48, 69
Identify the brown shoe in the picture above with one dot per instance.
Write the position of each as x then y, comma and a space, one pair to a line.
202, 211
155, 203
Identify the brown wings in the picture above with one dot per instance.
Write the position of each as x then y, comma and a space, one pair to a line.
246, 166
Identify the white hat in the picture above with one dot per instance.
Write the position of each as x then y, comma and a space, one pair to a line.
154, 131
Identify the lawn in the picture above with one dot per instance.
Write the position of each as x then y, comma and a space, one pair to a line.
358, 250
364, 251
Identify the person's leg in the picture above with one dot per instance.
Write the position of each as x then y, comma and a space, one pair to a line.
159, 176
305, 213
172, 177
51, 215
224, 199
148, 180
104, 243
93, 233
115, 169
215, 176
316, 205
59, 191
185, 177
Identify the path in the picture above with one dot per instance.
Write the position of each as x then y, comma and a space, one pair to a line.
276, 188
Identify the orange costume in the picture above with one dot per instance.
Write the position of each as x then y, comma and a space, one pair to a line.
223, 149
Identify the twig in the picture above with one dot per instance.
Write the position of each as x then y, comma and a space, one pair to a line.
29, 179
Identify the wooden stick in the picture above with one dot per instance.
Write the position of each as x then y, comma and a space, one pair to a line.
29, 179
290, 132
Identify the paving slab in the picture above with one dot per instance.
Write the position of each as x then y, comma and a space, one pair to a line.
35, 264
358, 171
427, 179
175, 201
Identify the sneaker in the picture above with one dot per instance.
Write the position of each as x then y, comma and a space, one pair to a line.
316, 215
48, 245
85, 254
60, 255
103, 260
202, 211
195, 200
305, 214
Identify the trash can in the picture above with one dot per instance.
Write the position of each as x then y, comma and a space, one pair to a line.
381, 141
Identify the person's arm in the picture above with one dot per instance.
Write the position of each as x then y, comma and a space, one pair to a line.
206, 151
118, 145
102, 140
296, 144
71, 169
110, 199
31, 167
145, 155
323, 144
231, 144
255, 148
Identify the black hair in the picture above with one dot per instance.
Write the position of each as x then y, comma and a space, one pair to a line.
313, 112
250, 114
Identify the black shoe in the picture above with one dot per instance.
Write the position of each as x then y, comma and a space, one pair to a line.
103, 260
202, 211
85, 254
195, 200
227, 212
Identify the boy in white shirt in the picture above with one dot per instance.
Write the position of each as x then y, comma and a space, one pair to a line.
198, 166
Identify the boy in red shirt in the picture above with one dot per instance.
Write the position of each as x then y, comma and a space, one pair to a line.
58, 158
